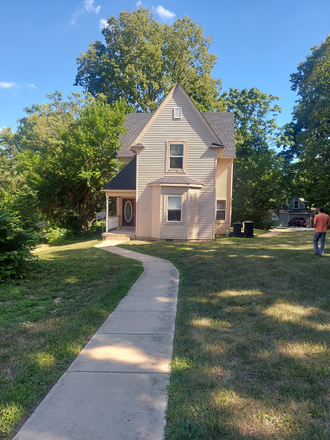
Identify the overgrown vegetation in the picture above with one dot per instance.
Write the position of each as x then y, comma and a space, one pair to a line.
47, 318
251, 348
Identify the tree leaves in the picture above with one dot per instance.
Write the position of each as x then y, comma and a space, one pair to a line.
141, 59
257, 183
66, 150
311, 117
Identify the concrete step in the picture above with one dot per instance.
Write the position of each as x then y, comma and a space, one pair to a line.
116, 237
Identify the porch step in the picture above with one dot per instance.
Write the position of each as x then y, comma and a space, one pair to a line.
115, 237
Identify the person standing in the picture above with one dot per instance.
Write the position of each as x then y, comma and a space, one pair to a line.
321, 223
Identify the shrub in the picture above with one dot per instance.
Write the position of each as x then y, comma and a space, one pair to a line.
15, 245
57, 236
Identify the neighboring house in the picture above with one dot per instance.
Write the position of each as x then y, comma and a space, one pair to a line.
296, 208
178, 177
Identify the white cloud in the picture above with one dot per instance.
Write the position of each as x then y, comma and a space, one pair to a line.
164, 14
139, 3
88, 7
103, 23
7, 85
30, 85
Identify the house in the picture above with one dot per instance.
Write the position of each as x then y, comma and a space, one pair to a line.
296, 208
178, 179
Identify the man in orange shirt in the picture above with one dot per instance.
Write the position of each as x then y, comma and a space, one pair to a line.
321, 223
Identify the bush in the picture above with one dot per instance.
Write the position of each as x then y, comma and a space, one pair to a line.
57, 236
15, 245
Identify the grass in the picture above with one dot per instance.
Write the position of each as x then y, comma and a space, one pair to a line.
251, 349
47, 318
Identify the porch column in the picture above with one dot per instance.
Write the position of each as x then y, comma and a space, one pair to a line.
107, 214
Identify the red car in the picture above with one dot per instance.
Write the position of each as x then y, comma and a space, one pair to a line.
298, 221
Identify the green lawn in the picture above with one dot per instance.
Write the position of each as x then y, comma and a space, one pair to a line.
251, 349
47, 318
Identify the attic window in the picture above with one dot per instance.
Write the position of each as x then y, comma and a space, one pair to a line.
296, 204
177, 112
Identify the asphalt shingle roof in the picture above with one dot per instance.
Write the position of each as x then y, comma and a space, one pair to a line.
223, 126
135, 123
177, 180
125, 179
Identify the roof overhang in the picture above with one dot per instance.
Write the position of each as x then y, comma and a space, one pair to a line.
177, 185
120, 192
138, 147
218, 148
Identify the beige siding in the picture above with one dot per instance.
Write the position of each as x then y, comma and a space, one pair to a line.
156, 212
221, 186
224, 191
201, 166
175, 230
193, 209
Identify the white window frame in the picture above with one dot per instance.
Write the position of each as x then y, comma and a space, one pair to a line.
167, 204
168, 156
177, 112
221, 210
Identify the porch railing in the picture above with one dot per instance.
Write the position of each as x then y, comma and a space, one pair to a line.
112, 223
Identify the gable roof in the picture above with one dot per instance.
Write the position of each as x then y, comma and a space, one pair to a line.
220, 123
135, 123
125, 179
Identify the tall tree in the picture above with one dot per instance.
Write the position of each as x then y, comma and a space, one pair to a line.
141, 59
311, 123
257, 185
66, 151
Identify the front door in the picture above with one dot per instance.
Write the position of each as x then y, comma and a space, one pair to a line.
128, 212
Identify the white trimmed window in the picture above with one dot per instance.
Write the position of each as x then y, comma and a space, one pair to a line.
176, 156
174, 209
221, 210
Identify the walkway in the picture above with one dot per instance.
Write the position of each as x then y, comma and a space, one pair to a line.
116, 387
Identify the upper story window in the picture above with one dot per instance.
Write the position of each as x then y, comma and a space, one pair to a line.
176, 156
296, 204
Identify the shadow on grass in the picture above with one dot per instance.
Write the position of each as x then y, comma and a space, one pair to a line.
47, 318
251, 356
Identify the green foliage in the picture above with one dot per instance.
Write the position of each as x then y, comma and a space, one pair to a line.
311, 125
66, 151
57, 236
257, 183
141, 59
16, 240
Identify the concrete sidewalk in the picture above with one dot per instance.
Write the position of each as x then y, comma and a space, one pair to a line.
116, 387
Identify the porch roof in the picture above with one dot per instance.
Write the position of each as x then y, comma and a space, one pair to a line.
125, 179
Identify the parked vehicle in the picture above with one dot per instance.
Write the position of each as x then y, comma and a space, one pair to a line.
298, 222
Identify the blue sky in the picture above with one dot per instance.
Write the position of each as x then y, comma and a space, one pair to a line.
259, 43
